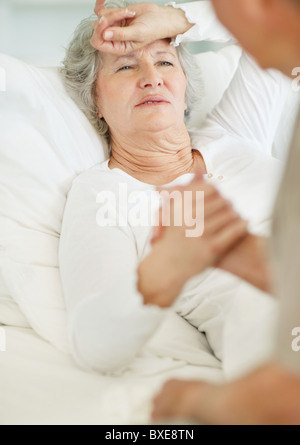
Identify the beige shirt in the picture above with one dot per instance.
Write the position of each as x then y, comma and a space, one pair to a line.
286, 255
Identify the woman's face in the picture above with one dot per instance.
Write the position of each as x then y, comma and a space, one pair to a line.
142, 91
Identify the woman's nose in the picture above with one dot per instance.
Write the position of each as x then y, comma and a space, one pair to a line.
150, 78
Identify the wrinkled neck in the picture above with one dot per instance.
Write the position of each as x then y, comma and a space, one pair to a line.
156, 159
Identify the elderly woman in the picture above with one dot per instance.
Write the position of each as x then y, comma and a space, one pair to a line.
140, 102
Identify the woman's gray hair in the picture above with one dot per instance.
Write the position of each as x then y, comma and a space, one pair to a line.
83, 62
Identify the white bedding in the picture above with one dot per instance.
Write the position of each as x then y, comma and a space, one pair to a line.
40, 385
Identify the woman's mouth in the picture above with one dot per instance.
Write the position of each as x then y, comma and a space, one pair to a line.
152, 101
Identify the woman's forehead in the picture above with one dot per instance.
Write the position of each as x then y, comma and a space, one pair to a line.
159, 47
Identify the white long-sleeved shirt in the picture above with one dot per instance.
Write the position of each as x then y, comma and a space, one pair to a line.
108, 324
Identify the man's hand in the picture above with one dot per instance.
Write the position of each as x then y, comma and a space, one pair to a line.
249, 261
121, 31
269, 395
176, 257
178, 399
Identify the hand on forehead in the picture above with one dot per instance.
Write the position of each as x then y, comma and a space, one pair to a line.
158, 48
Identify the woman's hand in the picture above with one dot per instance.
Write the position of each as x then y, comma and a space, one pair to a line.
99, 5
121, 31
177, 254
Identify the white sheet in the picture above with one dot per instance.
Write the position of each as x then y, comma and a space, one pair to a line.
40, 385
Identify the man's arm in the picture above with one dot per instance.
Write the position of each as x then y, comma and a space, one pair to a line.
173, 261
249, 261
268, 396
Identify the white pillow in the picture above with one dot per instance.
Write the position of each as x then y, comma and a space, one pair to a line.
45, 142
10, 313
218, 69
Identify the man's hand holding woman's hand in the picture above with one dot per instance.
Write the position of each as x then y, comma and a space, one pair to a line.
175, 257
122, 31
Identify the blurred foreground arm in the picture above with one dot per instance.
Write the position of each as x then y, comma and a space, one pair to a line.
268, 396
249, 261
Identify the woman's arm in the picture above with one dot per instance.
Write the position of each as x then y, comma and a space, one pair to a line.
254, 102
107, 322
250, 109
145, 23
194, 21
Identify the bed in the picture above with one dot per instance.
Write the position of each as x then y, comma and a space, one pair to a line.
41, 385
45, 142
